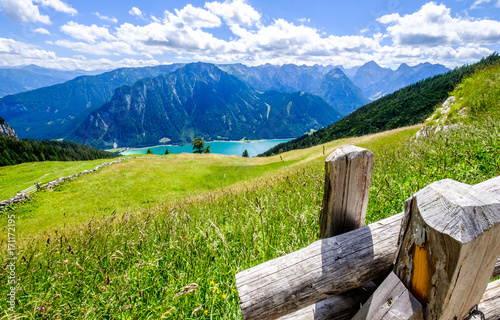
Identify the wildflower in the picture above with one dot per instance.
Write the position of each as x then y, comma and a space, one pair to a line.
212, 283
57, 252
218, 292
223, 296
205, 312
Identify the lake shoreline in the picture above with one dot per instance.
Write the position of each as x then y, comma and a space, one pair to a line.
225, 147
206, 143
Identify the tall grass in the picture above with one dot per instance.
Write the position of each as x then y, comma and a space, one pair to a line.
132, 266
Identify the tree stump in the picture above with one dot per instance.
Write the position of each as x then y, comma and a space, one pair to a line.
448, 246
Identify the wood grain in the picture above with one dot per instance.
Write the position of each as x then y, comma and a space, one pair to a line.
391, 300
448, 247
348, 174
326, 268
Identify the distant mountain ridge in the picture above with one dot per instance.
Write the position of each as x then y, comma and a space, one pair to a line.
54, 112
376, 81
407, 106
20, 79
330, 83
200, 99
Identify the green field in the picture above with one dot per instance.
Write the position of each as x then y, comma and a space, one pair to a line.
22, 176
164, 223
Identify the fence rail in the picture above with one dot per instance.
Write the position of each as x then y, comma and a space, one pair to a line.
448, 231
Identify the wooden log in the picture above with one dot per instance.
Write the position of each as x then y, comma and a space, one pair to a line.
325, 268
392, 300
340, 307
295, 281
448, 247
490, 304
348, 174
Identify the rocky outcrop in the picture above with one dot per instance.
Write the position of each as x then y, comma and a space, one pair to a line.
6, 130
16, 199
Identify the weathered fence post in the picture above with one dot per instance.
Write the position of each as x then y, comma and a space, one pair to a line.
448, 246
348, 174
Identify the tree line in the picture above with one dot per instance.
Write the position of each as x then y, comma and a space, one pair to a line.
27, 150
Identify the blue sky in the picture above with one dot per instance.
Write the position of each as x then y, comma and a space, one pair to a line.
109, 34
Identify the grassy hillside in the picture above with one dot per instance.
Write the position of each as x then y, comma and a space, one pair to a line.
22, 176
407, 106
132, 265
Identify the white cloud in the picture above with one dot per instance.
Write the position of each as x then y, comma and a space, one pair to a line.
58, 6
430, 34
86, 33
433, 25
478, 3
106, 18
105, 48
136, 12
13, 53
236, 12
41, 31
24, 11
192, 17
304, 20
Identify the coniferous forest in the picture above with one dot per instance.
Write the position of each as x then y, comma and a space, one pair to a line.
27, 150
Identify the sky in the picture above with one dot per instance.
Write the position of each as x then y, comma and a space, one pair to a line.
108, 34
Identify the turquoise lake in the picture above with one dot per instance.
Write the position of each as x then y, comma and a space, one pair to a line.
220, 147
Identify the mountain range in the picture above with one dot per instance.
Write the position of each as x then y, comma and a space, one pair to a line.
19, 79
54, 112
375, 81
200, 99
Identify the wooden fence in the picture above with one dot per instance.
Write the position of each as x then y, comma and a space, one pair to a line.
435, 260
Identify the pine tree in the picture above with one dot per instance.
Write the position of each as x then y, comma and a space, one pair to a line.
149, 151
198, 145
245, 154
166, 151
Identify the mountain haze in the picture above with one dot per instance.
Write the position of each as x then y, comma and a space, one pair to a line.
376, 81
200, 100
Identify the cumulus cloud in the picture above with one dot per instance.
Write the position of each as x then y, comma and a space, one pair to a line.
58, 6
27, 11
431, 34
236, 12
105, 48
136, 12
86, 33
41, 31
14, 53
192, 17
24, 11
106, 18
433, 25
